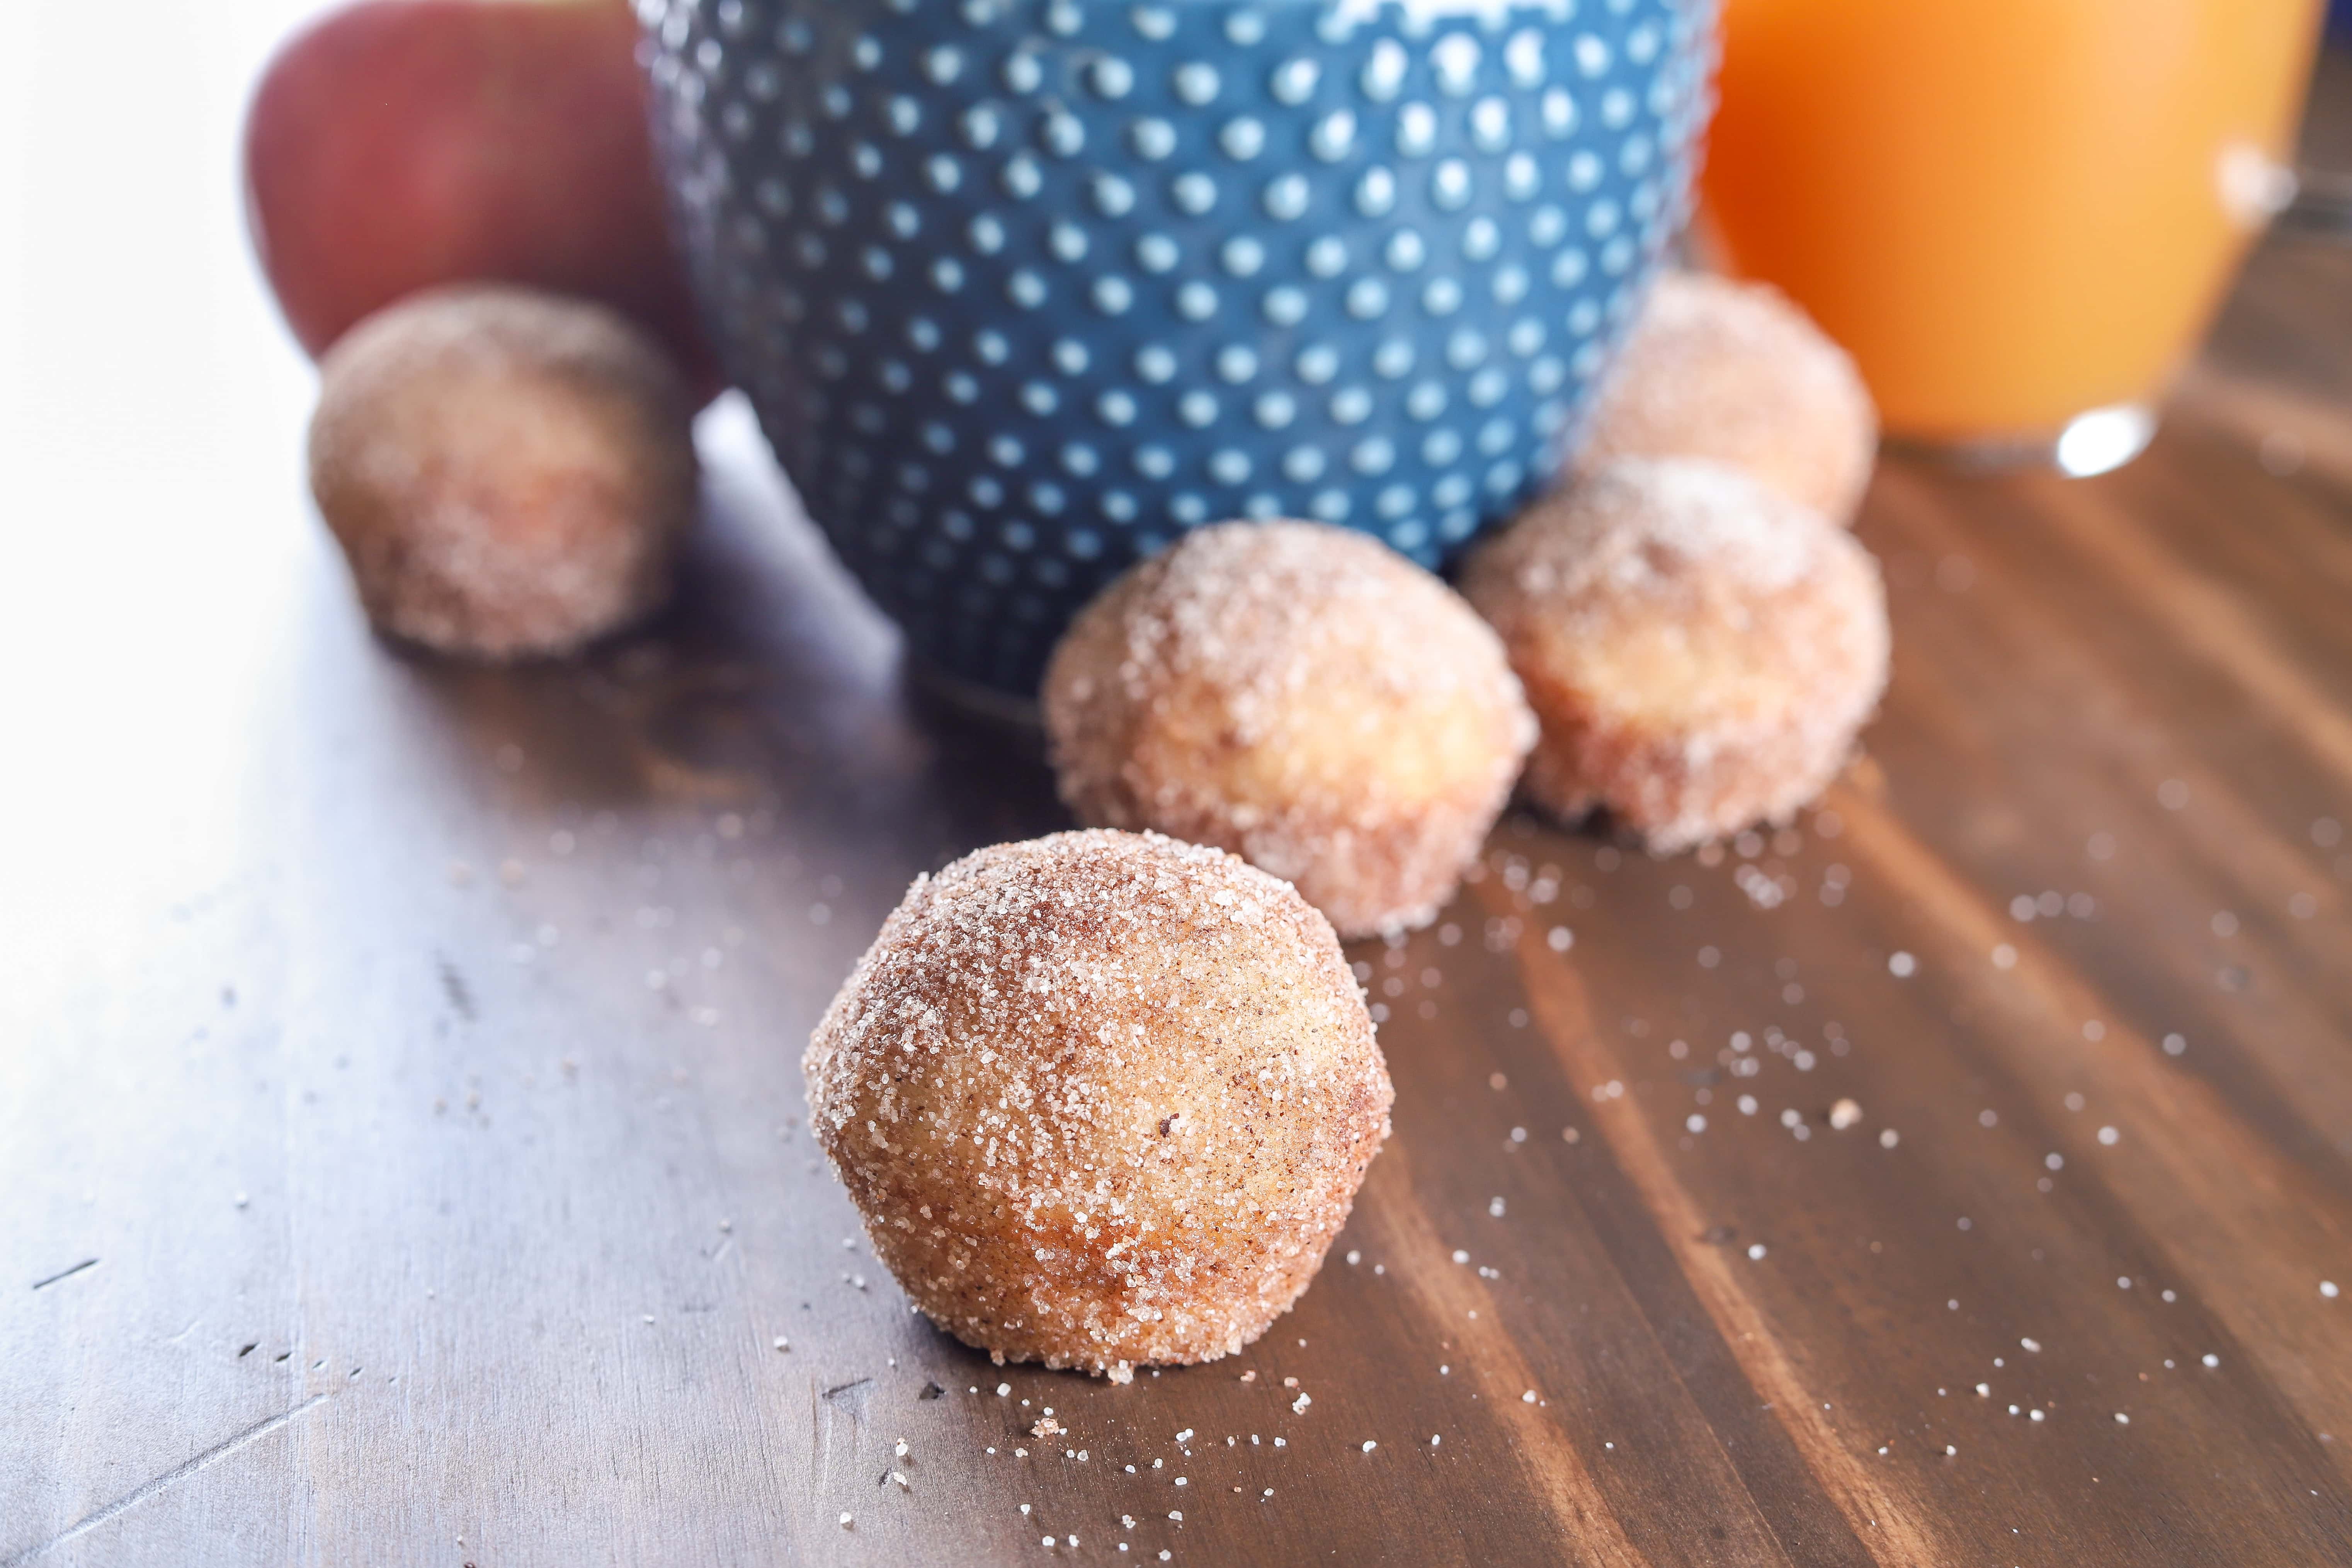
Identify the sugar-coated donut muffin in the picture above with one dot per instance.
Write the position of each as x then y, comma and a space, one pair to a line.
508, 473
1303, 696
1102, 1099
1700, 649
1734, 372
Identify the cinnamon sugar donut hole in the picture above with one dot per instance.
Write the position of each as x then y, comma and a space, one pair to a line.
508, 473
1700, 649
1734, 372
1303, 696
1102, 1099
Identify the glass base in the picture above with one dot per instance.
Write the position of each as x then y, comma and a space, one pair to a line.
2096, 442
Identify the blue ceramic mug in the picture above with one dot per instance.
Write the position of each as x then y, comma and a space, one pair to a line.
1023, 289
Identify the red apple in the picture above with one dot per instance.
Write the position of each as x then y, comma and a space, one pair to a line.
396, 145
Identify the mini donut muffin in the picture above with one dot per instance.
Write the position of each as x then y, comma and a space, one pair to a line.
1102, 1099
1700, 649
1734, 372
1303, 696
508, 473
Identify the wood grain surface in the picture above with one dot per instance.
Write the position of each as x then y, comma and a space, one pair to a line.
401, 1121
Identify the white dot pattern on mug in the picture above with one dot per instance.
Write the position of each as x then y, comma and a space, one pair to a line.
1023, 288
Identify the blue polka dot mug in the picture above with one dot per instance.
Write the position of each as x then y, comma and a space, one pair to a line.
1023, 288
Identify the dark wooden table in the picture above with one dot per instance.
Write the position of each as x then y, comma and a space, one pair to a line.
401, 1125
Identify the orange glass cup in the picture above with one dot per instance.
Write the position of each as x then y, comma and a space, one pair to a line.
2019, 215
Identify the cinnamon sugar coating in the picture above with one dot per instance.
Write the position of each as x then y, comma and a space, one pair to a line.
1303, 696
1102, 1099
508, 473
1734, 372
1700, 649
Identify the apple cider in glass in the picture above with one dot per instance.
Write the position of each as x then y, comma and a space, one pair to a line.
2010, 211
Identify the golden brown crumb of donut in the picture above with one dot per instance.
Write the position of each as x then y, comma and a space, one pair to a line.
1102, 1099
1301, 695
507, 472
1700, 649
1734, 372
